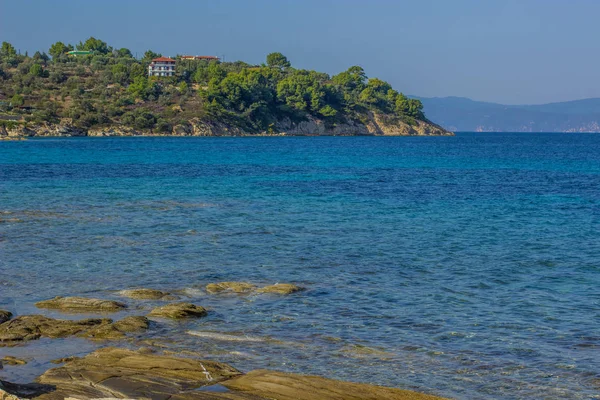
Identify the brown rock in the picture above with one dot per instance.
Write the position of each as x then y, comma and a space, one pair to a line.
117, 330
10, 360
5, 316
32, 327
146, 294
178, 311
120, 373
81, 304
235, 287
280, 288
282, 386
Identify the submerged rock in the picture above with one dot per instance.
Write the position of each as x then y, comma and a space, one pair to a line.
283, 386
280, 288
245, 287
178, 311
10, 360
235, 287
118, 330
5, 316
146, 294
120, 373
81, 304
32, 327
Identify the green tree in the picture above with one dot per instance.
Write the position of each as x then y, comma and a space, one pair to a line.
376, 94
58, 49
409, 107
119, 73
149, 55
139, 87
351, 83
36, 70
17, 100
95, 45
278, 60
123, 52
7, 50
302, 91
136, 71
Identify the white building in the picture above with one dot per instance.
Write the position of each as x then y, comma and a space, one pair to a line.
162, 66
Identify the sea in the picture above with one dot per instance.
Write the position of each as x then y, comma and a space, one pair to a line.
466, 267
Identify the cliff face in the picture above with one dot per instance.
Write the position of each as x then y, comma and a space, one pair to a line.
375, 126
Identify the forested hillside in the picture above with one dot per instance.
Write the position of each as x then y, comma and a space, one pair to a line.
111, 88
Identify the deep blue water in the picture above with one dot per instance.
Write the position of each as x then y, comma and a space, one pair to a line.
468, 266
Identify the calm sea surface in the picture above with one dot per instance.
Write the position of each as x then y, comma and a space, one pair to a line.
464, 266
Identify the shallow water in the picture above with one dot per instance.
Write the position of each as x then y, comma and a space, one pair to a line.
464, 266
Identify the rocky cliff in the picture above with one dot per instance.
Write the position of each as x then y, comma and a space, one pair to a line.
375, 125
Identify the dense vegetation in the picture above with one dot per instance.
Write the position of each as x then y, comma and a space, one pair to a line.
110, 86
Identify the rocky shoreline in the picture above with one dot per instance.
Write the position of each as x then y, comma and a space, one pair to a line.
147, 372
374, 126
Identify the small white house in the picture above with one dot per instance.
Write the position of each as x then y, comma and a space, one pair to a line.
162, 66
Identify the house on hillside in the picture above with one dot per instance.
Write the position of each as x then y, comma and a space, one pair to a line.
162, 66
206, 58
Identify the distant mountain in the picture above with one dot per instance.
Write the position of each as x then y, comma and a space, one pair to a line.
462, 114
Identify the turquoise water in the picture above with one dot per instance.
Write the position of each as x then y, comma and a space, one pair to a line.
466, 266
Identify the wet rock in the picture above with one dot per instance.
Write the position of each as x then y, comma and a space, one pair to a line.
5, 316
283, 386
280, 288
178, 311
32, 327
120, 373
81, 304
119, 329
235, 287
12, 391
10, 360
63, 360
146, 294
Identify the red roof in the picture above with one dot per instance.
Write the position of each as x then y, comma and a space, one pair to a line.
163, 59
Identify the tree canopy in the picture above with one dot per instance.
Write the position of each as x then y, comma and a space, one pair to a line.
278, 60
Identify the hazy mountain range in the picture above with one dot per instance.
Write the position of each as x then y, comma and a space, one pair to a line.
463, 114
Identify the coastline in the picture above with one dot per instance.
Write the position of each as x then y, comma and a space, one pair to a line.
374, 126
128, 364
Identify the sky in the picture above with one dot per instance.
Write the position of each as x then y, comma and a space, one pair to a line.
505, 51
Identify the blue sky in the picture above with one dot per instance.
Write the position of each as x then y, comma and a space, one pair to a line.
509, 51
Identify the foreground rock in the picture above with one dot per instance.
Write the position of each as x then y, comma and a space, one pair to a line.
120, 373
280, 288
178, 311
5, 316
81, 304
282, 386
112, 372
146, 294
32, 327
11, 391
234, 287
